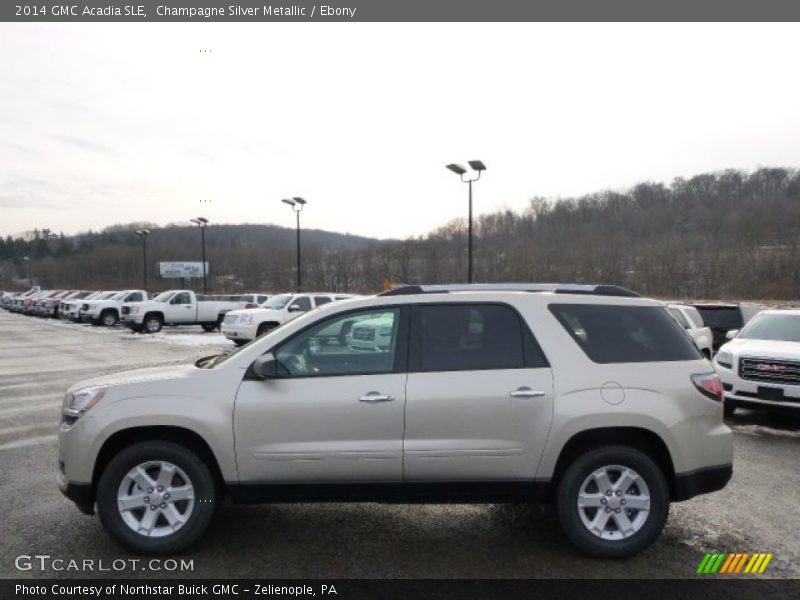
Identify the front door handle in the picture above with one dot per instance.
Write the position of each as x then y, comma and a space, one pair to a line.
526, 392
375, 397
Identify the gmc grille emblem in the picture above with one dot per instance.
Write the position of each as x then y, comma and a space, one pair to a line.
771, 368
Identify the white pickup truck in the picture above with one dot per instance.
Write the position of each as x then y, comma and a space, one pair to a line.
689, 318
105, 311
176, 307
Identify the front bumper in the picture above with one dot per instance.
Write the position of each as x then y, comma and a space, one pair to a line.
239, 332
756, 394
701, 481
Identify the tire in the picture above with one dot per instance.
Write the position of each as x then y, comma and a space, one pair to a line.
152, 324
109, 318
611, 542
239, 342
265, 328
188, 468
209, 327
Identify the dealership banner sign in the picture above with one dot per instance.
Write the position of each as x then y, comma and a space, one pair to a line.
179, 270
401, 10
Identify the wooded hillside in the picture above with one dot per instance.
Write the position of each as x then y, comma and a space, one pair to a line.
719, 235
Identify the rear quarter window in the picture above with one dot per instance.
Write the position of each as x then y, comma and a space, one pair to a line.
625, 334
722, 317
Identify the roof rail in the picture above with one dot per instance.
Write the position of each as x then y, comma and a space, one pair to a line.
556, 288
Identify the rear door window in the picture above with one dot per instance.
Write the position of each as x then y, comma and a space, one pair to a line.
625, 334
471, 337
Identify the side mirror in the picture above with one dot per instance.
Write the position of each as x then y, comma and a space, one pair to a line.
295, 308
265, 367
731, 334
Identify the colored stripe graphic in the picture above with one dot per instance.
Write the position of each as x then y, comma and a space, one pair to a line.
764, 564
721, 562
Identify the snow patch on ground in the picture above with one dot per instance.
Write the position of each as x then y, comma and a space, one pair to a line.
178, 336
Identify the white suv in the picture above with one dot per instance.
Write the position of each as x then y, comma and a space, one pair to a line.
760, 365
241, 326
584, 396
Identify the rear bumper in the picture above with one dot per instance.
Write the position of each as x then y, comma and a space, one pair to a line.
701, 481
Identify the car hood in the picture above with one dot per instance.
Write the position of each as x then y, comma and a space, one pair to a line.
137, 376
763, 349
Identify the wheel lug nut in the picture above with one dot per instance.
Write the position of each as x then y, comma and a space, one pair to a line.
166, 496
147, 499
608, 493
149, 490
618, 493
622, 501
160, 489
616, 510
163, 505
602, 501
152, 507
608, 509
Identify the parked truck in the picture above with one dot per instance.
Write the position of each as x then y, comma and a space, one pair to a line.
176, 307
106, 311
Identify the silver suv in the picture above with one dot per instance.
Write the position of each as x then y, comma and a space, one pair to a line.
587, 397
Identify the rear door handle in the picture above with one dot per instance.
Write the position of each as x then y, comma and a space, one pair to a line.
526, 392
375, 397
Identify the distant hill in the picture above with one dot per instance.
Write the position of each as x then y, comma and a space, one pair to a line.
728, 234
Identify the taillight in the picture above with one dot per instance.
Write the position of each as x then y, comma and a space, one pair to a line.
709, 385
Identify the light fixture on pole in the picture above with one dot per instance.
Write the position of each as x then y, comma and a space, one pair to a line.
143, 233
297, 205
479, 168
202, 223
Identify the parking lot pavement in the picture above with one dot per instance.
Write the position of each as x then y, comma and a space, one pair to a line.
758, 512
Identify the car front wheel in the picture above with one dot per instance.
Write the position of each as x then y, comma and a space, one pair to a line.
613, 502
156, 497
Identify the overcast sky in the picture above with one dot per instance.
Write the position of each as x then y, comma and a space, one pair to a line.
112, 123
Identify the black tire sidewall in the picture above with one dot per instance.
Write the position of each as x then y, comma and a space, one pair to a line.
569, 487
195, 468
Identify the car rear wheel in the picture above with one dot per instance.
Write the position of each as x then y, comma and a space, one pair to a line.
109, 318
208, 327
156, 497
613, 502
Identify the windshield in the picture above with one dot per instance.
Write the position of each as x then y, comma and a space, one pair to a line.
91, 296
118, 296
105, 296
277, 302
164, 296
779, 328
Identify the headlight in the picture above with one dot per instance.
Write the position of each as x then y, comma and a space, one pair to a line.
724, 359
246, 319
77, 403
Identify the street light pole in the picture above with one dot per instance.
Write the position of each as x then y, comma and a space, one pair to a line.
297, 205
479, 168
202, 222
143, 233
27, 260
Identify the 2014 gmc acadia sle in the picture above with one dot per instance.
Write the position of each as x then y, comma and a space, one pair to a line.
588, 397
